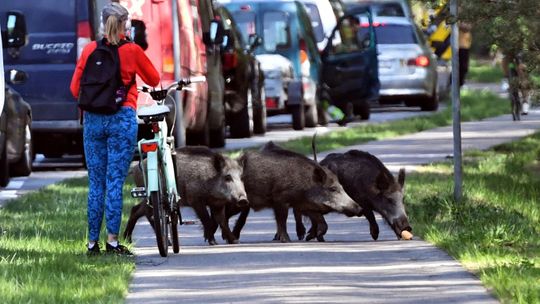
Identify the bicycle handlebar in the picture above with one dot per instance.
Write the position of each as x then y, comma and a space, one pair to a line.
179, 85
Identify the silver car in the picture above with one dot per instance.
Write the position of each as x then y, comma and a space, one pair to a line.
407, 65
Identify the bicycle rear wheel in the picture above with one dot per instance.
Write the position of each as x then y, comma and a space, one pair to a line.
158, 201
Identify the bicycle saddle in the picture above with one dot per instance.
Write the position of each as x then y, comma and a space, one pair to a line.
153, 113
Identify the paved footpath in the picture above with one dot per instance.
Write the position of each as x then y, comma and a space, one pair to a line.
348, 268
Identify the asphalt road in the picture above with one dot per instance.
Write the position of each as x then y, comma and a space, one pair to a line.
348, 268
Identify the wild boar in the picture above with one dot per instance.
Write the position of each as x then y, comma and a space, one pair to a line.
204, 179
365, 178
277, 178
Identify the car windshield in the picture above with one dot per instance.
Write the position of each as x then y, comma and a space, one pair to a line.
275, 31
395, 34
245, 21
315, 21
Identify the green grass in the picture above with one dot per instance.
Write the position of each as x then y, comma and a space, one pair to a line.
475, 105
495, 230
484, 73
42, 234
43, 255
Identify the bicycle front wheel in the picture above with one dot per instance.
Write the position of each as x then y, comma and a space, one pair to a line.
160, 222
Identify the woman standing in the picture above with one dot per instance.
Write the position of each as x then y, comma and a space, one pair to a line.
110, 139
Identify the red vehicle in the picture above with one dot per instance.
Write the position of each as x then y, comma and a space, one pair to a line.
152, 22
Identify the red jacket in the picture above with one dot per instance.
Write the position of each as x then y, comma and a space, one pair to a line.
133, 62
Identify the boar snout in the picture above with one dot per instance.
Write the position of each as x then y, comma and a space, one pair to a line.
352, 209
401, 224
242, 202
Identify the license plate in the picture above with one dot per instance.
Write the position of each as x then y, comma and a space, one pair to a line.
386, 64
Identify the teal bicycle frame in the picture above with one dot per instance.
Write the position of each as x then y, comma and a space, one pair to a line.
159, 148
159, 175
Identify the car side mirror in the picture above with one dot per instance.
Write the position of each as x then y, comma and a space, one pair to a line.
17, 77
138, 33
215, 34
16, 33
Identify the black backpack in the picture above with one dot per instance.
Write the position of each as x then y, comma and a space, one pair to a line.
102, 90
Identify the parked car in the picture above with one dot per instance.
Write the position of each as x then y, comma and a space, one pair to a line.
384, 8
214, 76
16, 153
55, 32
244, 80
286, 30
407, 65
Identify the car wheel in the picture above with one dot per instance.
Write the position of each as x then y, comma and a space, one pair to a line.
311, 116
259, 114
430, 103
217, 136
4, 167
241, 125
363, 110
199, 138
298, 118
322, 116
23, 167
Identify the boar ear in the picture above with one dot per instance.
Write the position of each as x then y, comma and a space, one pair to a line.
382, 182
401, 177
219, 162
319, 175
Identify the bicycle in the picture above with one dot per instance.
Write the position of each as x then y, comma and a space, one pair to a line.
159, 176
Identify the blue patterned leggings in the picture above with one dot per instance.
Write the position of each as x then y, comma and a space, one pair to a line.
109, 142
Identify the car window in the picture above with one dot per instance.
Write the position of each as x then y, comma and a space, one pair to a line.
388, 10
316, 23
275, 31
245, 22
395, 34
354, 37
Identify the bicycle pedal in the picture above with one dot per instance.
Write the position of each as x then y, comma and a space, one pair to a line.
190, 222
138, 192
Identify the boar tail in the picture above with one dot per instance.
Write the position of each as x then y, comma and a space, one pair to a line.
314, 146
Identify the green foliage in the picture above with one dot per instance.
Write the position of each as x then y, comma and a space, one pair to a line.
494, 230
484, 73
43, 254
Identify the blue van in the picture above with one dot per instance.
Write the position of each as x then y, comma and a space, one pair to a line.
285, 29
53, 33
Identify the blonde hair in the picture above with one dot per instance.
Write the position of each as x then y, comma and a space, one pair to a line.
114, 27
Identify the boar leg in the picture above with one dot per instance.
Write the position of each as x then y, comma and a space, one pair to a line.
218, 214
319, 227
137, 212
240, 222
373, 226
202, 214
281, 212
300, 228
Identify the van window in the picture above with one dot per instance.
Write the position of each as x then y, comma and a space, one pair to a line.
316, 23
395, 34
275, 31
245, 21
